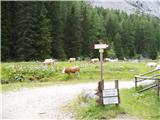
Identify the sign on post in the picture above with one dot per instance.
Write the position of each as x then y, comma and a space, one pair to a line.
100, 46
110, 96
110, 92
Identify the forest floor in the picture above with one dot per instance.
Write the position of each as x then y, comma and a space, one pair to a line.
46, 102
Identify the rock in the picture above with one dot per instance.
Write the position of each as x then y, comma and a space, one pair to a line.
88, 94
84, 104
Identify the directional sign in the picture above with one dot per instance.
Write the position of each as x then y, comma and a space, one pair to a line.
100, 46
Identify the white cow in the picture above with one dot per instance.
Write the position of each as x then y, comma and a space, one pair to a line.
107, 59
113, 60
72, 59
110, 60
151, 64
48, 61
94, 60
158, 67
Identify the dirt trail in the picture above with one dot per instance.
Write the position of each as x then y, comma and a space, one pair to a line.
46, 102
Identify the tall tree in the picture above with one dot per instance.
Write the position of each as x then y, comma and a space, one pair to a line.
43, 40
33, 32
73, 32
56, 14
118, 46
6, 30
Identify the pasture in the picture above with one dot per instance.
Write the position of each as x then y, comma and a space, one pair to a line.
36, 74
134, 106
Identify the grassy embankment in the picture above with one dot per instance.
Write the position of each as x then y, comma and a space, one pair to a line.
144, 106
30, 74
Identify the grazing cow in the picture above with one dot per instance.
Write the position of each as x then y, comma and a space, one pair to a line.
72, 59
110, 60
158, 67
94, 60
48, 62
69, 70
134, 61
113, 60
107, 59
151, 64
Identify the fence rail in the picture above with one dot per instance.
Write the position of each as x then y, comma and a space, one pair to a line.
154, 78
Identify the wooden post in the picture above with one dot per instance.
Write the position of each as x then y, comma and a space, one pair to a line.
135, 82
101, 67
117, 87
158, 87
99, 93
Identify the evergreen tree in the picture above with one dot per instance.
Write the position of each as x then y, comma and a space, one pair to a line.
32, 31
150, 49
43, 40
56, 12
39, 30
73, 32
118, 46
5, 31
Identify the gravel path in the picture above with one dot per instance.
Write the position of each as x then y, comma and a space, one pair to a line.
45, 102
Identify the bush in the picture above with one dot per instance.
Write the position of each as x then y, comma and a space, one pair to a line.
19, 73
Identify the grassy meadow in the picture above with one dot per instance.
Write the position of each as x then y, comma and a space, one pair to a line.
19, 74
143, 106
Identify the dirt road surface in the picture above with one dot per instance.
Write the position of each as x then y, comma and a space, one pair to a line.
46, 102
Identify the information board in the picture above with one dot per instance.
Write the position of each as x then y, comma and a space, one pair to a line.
110, 96
110, 100
110, 92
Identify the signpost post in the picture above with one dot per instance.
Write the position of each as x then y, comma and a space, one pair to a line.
101, 48
107, 96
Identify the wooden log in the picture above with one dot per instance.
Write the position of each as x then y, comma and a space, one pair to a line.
158, 87
147, 88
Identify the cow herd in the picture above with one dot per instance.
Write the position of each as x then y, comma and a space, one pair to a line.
76, 69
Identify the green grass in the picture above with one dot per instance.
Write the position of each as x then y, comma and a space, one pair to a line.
22, 73
92, 111
145, 106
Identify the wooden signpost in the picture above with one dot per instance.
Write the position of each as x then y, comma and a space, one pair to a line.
107, 96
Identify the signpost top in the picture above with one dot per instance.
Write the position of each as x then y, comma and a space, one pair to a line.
100, 46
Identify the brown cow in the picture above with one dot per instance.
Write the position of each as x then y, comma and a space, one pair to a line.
69, 70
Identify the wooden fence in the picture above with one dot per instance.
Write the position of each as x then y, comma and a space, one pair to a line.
155, 78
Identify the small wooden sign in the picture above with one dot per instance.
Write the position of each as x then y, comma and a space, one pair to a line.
110, 100
100, 46
110, 92
110, 96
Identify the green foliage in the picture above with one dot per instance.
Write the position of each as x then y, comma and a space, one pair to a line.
73, 32
6, 30
39, 30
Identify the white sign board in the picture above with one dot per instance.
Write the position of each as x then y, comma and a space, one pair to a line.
110, 96
110, 100
100, 46
110, 92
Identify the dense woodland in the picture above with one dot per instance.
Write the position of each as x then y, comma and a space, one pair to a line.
40, 30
